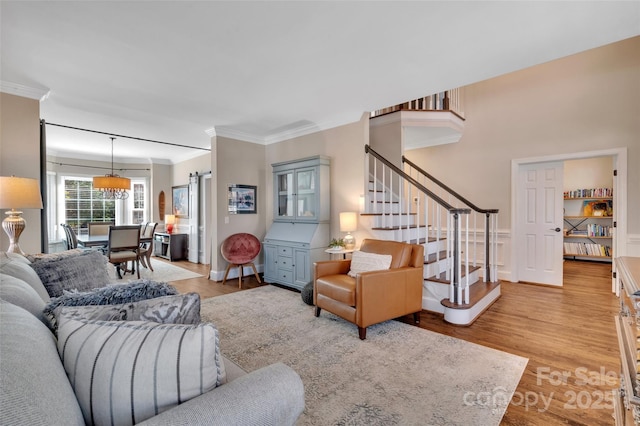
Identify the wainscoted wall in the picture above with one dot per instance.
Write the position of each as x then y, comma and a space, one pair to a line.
633, 245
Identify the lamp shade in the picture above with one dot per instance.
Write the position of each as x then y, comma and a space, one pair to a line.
112, 185
19, 193
348, 222
108, 182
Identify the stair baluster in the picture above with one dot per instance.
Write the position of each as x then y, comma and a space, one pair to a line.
413, 206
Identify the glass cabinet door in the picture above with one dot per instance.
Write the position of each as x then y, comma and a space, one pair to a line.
286, 195
306, 199
301, 190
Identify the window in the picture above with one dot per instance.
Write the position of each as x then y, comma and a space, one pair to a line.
138, 206
83, 204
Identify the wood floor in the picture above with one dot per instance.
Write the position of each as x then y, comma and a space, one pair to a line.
568, 335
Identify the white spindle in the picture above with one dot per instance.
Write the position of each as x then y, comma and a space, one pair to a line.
466, 260
494, 255
374, 185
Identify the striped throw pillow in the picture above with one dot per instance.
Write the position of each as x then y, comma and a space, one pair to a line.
125, 372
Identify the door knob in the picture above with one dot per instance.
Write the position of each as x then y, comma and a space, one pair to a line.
557, 229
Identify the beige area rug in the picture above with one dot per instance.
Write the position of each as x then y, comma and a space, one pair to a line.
162, 271
399, 375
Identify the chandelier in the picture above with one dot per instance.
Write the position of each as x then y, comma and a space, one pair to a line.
112, 185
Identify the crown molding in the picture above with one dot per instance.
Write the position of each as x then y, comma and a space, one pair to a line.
16, 89
227, 132
286, 134
211, 132
310, 128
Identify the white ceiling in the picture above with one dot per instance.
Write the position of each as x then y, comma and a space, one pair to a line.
264, 71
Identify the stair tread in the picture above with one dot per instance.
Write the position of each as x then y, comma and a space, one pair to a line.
434, 257
441, 277
388, 214
423, 240
476, 293
398, 227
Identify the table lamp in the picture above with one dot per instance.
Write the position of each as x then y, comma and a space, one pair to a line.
17, 193
348, 223
169, 221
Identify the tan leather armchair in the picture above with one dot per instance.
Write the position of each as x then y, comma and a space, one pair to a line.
375, 296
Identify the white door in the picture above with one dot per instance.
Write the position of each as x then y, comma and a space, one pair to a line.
539, 223
194, 216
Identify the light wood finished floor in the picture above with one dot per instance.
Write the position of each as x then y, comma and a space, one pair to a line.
568, 335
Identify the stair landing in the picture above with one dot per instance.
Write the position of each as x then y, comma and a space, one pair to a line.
481, 296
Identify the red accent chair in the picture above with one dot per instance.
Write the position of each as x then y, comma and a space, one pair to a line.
240, 250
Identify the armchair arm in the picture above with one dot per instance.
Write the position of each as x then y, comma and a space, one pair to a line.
331, 267
273, 395
384, 295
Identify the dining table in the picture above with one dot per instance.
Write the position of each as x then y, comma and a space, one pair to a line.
95, 241
102, 240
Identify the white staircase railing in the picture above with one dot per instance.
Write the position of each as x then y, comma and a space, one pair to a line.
483, 221
415, 214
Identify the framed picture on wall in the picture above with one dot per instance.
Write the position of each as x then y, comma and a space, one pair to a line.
180, 200
242, 199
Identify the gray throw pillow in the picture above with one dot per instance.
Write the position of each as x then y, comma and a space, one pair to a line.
83, 272
124, 372
178, 309
46, 257
110, 295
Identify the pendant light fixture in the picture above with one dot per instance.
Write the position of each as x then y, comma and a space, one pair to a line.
112, 185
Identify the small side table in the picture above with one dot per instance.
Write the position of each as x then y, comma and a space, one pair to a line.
343, 252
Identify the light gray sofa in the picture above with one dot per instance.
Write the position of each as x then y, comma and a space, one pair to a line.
35, 389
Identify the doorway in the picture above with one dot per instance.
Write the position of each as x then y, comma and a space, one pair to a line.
521, 269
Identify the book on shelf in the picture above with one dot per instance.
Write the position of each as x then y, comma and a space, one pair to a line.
589, 193
595, 230
587, 249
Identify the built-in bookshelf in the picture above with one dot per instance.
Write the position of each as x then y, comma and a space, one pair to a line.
588, 216
587, 249
589, 193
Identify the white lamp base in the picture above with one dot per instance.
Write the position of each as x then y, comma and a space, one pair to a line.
13, 225
349, 242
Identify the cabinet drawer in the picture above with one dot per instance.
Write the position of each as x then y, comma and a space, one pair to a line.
285, 276
285, 251
285, 262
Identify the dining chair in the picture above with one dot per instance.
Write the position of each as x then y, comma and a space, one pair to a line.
99, 228
71, 238
124, 246
146, 247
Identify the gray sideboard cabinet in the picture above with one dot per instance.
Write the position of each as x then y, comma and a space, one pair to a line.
170, 246
299, 234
